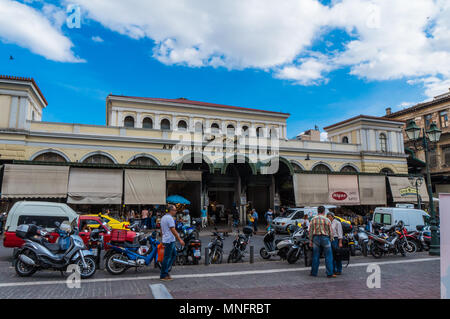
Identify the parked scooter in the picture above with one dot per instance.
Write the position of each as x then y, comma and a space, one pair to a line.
122, 256
38, 254
215, 248
240, 244
277, 247
361, 240
191, 252
389, 240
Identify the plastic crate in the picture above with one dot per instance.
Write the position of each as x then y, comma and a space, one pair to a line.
119, 235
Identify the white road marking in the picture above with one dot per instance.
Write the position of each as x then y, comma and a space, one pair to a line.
215, 274
160, 291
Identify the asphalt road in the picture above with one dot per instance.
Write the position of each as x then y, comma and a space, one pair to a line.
414, 276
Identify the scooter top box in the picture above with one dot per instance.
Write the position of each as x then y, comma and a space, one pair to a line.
247, 230
25, 230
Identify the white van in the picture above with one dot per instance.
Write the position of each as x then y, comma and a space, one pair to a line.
392, 215
292, 215
43, 214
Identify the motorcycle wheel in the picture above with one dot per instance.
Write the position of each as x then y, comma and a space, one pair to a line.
22, 269
196, 234
352, 250
264, 254
292, 256
195, 261
216, 257
376, 252
233, 258
401, 250
409, 246
181, 260
308, 257
91, 267
115, 268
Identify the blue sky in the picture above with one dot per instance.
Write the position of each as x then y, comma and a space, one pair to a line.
320, 81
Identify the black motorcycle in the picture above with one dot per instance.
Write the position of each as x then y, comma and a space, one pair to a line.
300, 249
240, 244
215, 248
191, 252
38, 254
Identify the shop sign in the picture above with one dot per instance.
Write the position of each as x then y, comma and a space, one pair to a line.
408, 191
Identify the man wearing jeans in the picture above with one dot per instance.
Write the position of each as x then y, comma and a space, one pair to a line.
321, 237
338, 235
169, 234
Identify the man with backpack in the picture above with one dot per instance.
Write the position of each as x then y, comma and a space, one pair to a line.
336, 244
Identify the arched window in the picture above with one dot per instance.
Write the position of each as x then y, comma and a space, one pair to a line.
321, 168
345, 140
165, 125
348, 169
259, 132
387, 171
215, 128
383, 142
147, 123
245, 130
182, 125
143, 161
230, 130
50, 157
98, 159
297, 168
129, 121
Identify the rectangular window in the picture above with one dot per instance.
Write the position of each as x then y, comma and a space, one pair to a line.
446, 155
433, 158
387, 219
41, 221
443, 116
427, 121
377, 218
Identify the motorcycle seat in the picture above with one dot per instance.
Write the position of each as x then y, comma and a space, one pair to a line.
127, 245
54, 248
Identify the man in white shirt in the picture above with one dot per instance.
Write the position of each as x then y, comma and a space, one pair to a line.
169, 234
337, 234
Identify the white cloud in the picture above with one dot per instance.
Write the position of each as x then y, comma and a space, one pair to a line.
390, 39
37, 31
324, 136
97, 39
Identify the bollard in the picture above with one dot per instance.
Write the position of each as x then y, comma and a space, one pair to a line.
252, 251
206, 256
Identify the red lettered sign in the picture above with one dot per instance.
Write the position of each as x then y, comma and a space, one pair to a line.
339, 196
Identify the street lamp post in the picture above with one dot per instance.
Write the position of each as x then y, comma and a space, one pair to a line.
431, 136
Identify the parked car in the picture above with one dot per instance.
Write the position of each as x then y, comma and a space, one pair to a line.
392, 215
293, 215
112, 222
45, 215
42, 214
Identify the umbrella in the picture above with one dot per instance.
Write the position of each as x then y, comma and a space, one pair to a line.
177, 199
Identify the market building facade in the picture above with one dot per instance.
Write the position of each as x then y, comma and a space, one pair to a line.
209, 153
424, 114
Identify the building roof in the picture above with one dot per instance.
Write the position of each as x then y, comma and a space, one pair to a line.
199, 103
364, 117
437, 100
29, 80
